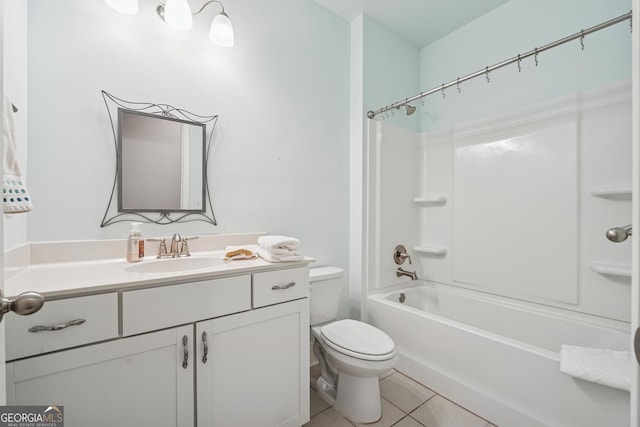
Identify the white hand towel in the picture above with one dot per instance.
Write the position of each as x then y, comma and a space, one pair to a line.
271, 257
603, 366
279, 243
15, 196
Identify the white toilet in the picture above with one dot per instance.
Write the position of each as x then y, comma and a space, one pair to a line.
352, 354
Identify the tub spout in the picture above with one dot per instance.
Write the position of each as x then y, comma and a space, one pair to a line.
400, 272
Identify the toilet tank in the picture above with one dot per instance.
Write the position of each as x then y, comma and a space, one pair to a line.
326, 286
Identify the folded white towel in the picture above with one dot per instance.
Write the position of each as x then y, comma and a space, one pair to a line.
271, 257
15, 196
279, 244
603, 366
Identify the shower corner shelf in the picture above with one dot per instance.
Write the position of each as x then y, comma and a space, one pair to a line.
430, 250
430, 200
611, 269
611, 191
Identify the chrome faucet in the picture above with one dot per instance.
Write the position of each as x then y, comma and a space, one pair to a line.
401, 272
173, 249
179, 246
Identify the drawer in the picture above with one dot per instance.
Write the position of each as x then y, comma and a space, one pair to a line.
166, 306
100, 314
274, 287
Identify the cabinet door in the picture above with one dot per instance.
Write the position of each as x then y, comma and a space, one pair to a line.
256, 372
138, 381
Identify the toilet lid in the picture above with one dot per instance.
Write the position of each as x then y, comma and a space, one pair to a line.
352, 336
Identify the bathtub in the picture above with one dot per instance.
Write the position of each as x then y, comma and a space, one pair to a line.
500, 357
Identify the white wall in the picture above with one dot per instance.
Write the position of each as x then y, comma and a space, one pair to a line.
279, 161
357, 172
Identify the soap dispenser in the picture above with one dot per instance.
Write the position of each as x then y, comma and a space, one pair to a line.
135, 244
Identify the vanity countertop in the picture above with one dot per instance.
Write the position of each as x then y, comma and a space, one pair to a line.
63, 278
69, 279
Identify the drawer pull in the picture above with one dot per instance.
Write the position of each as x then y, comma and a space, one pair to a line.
206, 347
281, 287
185, 349
59, 327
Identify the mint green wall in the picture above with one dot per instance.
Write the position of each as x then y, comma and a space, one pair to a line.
517, 27
391, 71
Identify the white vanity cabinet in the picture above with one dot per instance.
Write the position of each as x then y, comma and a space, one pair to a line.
221, 352
251, 368
137, 381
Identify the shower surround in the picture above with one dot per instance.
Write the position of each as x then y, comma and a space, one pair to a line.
512, 206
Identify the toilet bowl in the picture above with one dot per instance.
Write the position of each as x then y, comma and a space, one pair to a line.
351, 354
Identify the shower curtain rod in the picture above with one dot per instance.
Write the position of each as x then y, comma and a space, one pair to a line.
485, 71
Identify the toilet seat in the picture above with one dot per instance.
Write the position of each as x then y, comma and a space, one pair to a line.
358, 339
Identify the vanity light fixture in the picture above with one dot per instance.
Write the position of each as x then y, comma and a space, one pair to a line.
177, 14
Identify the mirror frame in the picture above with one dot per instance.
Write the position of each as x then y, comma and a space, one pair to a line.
163, 217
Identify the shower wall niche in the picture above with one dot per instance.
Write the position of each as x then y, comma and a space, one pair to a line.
516, 204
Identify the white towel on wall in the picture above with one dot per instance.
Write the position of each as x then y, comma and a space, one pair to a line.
603, 366
15, 195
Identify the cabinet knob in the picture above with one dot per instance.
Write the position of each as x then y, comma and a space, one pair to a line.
24, 304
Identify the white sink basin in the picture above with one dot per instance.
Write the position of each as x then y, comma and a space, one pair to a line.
172, 265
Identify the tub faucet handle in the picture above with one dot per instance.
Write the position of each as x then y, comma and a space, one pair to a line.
400, 254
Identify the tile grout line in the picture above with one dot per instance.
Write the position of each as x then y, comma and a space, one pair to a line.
442, 396
461, 407
408, 414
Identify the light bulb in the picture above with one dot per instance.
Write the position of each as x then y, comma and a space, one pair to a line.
221, 32
129, 7
177, 14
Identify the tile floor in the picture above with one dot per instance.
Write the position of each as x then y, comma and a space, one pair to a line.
405, 403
